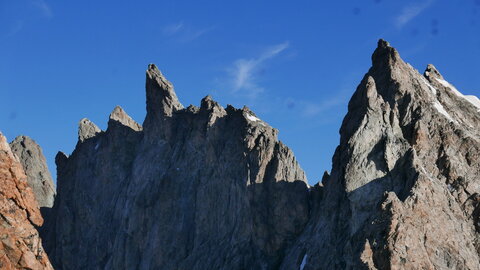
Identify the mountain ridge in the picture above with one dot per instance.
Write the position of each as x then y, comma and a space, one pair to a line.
210, 187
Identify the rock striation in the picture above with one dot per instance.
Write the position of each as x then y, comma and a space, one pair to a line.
20, 244
192, 188
35, 166
404, 191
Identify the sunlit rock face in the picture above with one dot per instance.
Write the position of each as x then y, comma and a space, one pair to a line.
404, 188
192, 188
20, 244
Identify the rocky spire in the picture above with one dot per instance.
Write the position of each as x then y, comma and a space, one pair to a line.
38, 176
207, 103
431, 73
119, 115
161, 98
87, 129
384, 56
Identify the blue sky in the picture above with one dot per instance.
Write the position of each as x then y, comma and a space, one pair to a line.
295, 63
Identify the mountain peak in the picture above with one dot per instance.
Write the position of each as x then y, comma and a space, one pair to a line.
384, 55
162, 100
87, 129
208, 104
34, 164
431, 72
161, 97
119, 115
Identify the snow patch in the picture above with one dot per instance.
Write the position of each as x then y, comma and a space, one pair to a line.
252, 118
432, 89
442, 110
437, 104
304, 262
97, 146
448, 85
472, 99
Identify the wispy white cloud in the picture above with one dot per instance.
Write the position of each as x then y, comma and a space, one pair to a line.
411, 11
190, 34
183, 32
31, 10
329, 104
172, 28
43, 7
308, 108
244, 71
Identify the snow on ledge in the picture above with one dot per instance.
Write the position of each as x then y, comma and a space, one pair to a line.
442, 110
472, 99
432, 89
436, 103
252, 118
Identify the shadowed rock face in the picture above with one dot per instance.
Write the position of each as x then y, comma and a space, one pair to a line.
20, 245
404, 188
35, 167
195, 188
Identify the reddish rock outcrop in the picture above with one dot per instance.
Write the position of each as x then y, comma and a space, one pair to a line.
20, 244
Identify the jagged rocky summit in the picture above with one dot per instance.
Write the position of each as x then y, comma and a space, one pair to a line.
20, 244
192, 188
404, 188
213, 188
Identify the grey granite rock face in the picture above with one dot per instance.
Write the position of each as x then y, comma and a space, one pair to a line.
404, 188
195, 188
35, 166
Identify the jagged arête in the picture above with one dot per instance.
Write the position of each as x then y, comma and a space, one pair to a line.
194, 188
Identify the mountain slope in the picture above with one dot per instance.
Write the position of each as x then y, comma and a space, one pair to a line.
404, 188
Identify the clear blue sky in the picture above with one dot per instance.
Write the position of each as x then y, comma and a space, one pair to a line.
295, 63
